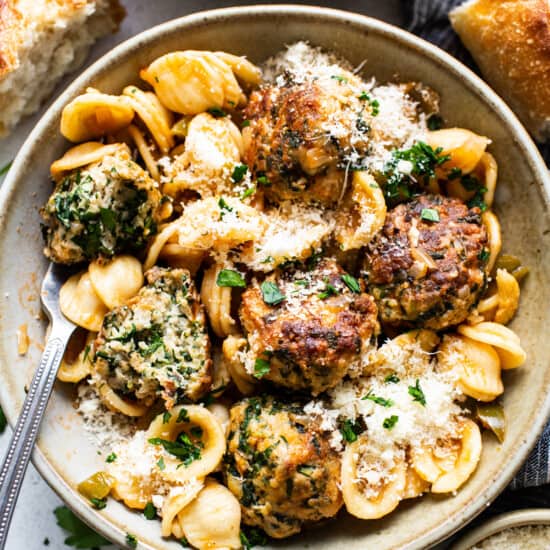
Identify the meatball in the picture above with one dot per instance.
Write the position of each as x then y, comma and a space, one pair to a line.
302, 137
109, 207
280, 467
426, 267
157, 343
308, 329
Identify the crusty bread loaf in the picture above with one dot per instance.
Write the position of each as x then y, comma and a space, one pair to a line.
40, 41
510, 41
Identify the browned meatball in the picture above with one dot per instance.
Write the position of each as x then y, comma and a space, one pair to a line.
301, 136
308, 328
157, 343
280, 466
427, 265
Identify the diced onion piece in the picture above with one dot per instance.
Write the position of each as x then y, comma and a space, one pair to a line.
116, 280
79, 302
97, 486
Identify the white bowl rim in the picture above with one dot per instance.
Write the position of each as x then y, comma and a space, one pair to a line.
521, 138
517, 518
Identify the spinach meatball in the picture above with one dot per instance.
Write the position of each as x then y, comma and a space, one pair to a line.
302, 136
280, 466
157, 344
106, 208
307, 329
426, 267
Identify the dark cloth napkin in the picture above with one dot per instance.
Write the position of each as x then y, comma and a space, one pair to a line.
429, 20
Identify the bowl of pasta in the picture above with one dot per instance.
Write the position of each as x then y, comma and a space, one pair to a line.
298, 240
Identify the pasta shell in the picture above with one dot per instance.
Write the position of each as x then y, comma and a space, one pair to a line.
142, 146
477, 365
232, 349
464, 147
487, 172
79, 302
115, 403
388, 493
117, 280
363, 215
82, 155
213, 519
176, 501
492, 225
192, 82
243, 69
95, 114
212, 438
466, 461
415, 486
217, 301
505, 341
508, 296
76, 370
155, 116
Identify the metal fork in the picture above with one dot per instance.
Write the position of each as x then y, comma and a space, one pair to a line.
26, 430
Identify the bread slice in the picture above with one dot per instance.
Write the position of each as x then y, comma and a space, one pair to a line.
510, 41
40, 41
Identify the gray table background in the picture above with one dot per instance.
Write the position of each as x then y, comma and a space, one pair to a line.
34, 522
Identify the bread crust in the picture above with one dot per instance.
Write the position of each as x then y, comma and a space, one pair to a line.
510, 41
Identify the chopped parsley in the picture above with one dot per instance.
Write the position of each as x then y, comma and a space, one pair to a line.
429, 214
4, 170
183, 415
351, 282
350, 430
417, 393
248, 193
390, 422
166, 417
182, 448
81, 536
150, 512
263, 180
454, 173
217, 112
245, 123
391, 379
224, 207
131, 540
339, 78
374, 103
252, 536
238, 172
378, 400
305, 470
271, 293
484, 255
261, 367
161, 464
99, 503
329, 290
230, 278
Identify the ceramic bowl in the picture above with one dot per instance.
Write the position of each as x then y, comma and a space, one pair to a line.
521, 518
64, 454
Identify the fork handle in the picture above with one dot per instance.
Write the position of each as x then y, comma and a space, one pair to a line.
26, 429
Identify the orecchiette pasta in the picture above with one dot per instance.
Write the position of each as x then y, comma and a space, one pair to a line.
362, 215
212, 441
116, 403
244, 70
217, 301
116, 280
494, 236
371, 500
95, 114
464, 147
155, 116
80, 303
233, 349
192, 82
178, 498
415, 486
141, 144
487, 172
508, 296
82, 155
79, 367
213, 519
477, 366
505, 341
